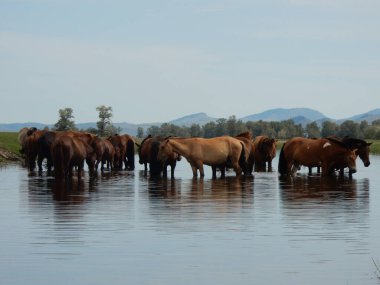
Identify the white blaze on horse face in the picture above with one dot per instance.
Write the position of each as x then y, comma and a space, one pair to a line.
326, 145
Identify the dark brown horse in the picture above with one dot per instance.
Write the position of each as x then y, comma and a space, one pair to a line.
199, 151
124, 151
313, 153
264, 150
148, 151
69, 152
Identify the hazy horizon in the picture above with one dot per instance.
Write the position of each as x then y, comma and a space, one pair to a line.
155, 61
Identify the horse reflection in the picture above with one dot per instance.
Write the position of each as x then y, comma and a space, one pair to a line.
306, 187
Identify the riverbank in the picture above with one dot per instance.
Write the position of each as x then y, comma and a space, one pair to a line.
9, 147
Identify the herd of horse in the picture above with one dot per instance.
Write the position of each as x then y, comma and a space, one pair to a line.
65, 151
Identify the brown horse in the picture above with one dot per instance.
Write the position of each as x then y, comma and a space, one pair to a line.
124, 151
199, 151
68, 152
362, 147
148, 150
264, 150
313, 153
105, 153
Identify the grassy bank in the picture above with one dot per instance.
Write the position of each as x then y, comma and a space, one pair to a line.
9, 146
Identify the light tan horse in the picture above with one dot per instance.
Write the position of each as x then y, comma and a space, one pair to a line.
315, 152
199, 151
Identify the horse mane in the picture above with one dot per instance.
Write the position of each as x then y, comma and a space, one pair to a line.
148, 137
337, 141
246, 134
353, 142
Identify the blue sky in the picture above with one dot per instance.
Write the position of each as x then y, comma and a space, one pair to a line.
159, 60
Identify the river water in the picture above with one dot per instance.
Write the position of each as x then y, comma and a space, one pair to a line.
125, 228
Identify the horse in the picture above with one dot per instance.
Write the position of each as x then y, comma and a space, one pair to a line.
199, 151
67, 152
32, 149
124, 151
313, 153
105, 153
148, 150
46, 140
362, 147
245, 161
264, 150
22, 139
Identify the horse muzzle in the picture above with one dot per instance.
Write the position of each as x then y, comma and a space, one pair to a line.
366, 164
352, 170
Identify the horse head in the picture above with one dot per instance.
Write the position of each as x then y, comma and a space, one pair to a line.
351, 160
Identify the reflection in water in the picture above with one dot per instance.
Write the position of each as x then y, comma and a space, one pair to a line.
124, 226
326, 208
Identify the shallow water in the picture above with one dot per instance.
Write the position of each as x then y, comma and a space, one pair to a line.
125, 228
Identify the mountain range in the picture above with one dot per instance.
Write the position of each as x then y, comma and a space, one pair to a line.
298, 115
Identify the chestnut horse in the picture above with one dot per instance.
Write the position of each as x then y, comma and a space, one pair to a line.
199, 151
68, 152
148, 150
105, 153
313, 153
264, 150
352, 143
124, 151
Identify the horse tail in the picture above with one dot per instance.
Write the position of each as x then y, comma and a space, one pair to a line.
282, 164
155, 166
242, 158
131, 154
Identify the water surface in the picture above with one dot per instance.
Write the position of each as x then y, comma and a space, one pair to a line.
125, 228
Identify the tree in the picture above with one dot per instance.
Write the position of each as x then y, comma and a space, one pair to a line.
329, 129
105, 114
140, 132
65, 123
349, 128
312, 130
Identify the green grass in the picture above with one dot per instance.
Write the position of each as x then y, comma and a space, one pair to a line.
375, 146
8, 140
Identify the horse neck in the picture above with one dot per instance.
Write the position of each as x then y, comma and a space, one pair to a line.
180, 146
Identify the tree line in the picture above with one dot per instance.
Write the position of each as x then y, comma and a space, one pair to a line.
231, 126
274, 129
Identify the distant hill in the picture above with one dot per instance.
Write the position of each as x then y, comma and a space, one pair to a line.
198, 118
285, 114
369, 117
301, 116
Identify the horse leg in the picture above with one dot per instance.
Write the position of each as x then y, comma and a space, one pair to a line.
213, 172
195, 170
270, 165
201, 170
237, 168
145, 168
165, 171
310, 170
172, 167
222, 171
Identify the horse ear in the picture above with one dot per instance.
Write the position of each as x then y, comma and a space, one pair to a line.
368, 144
355, 151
